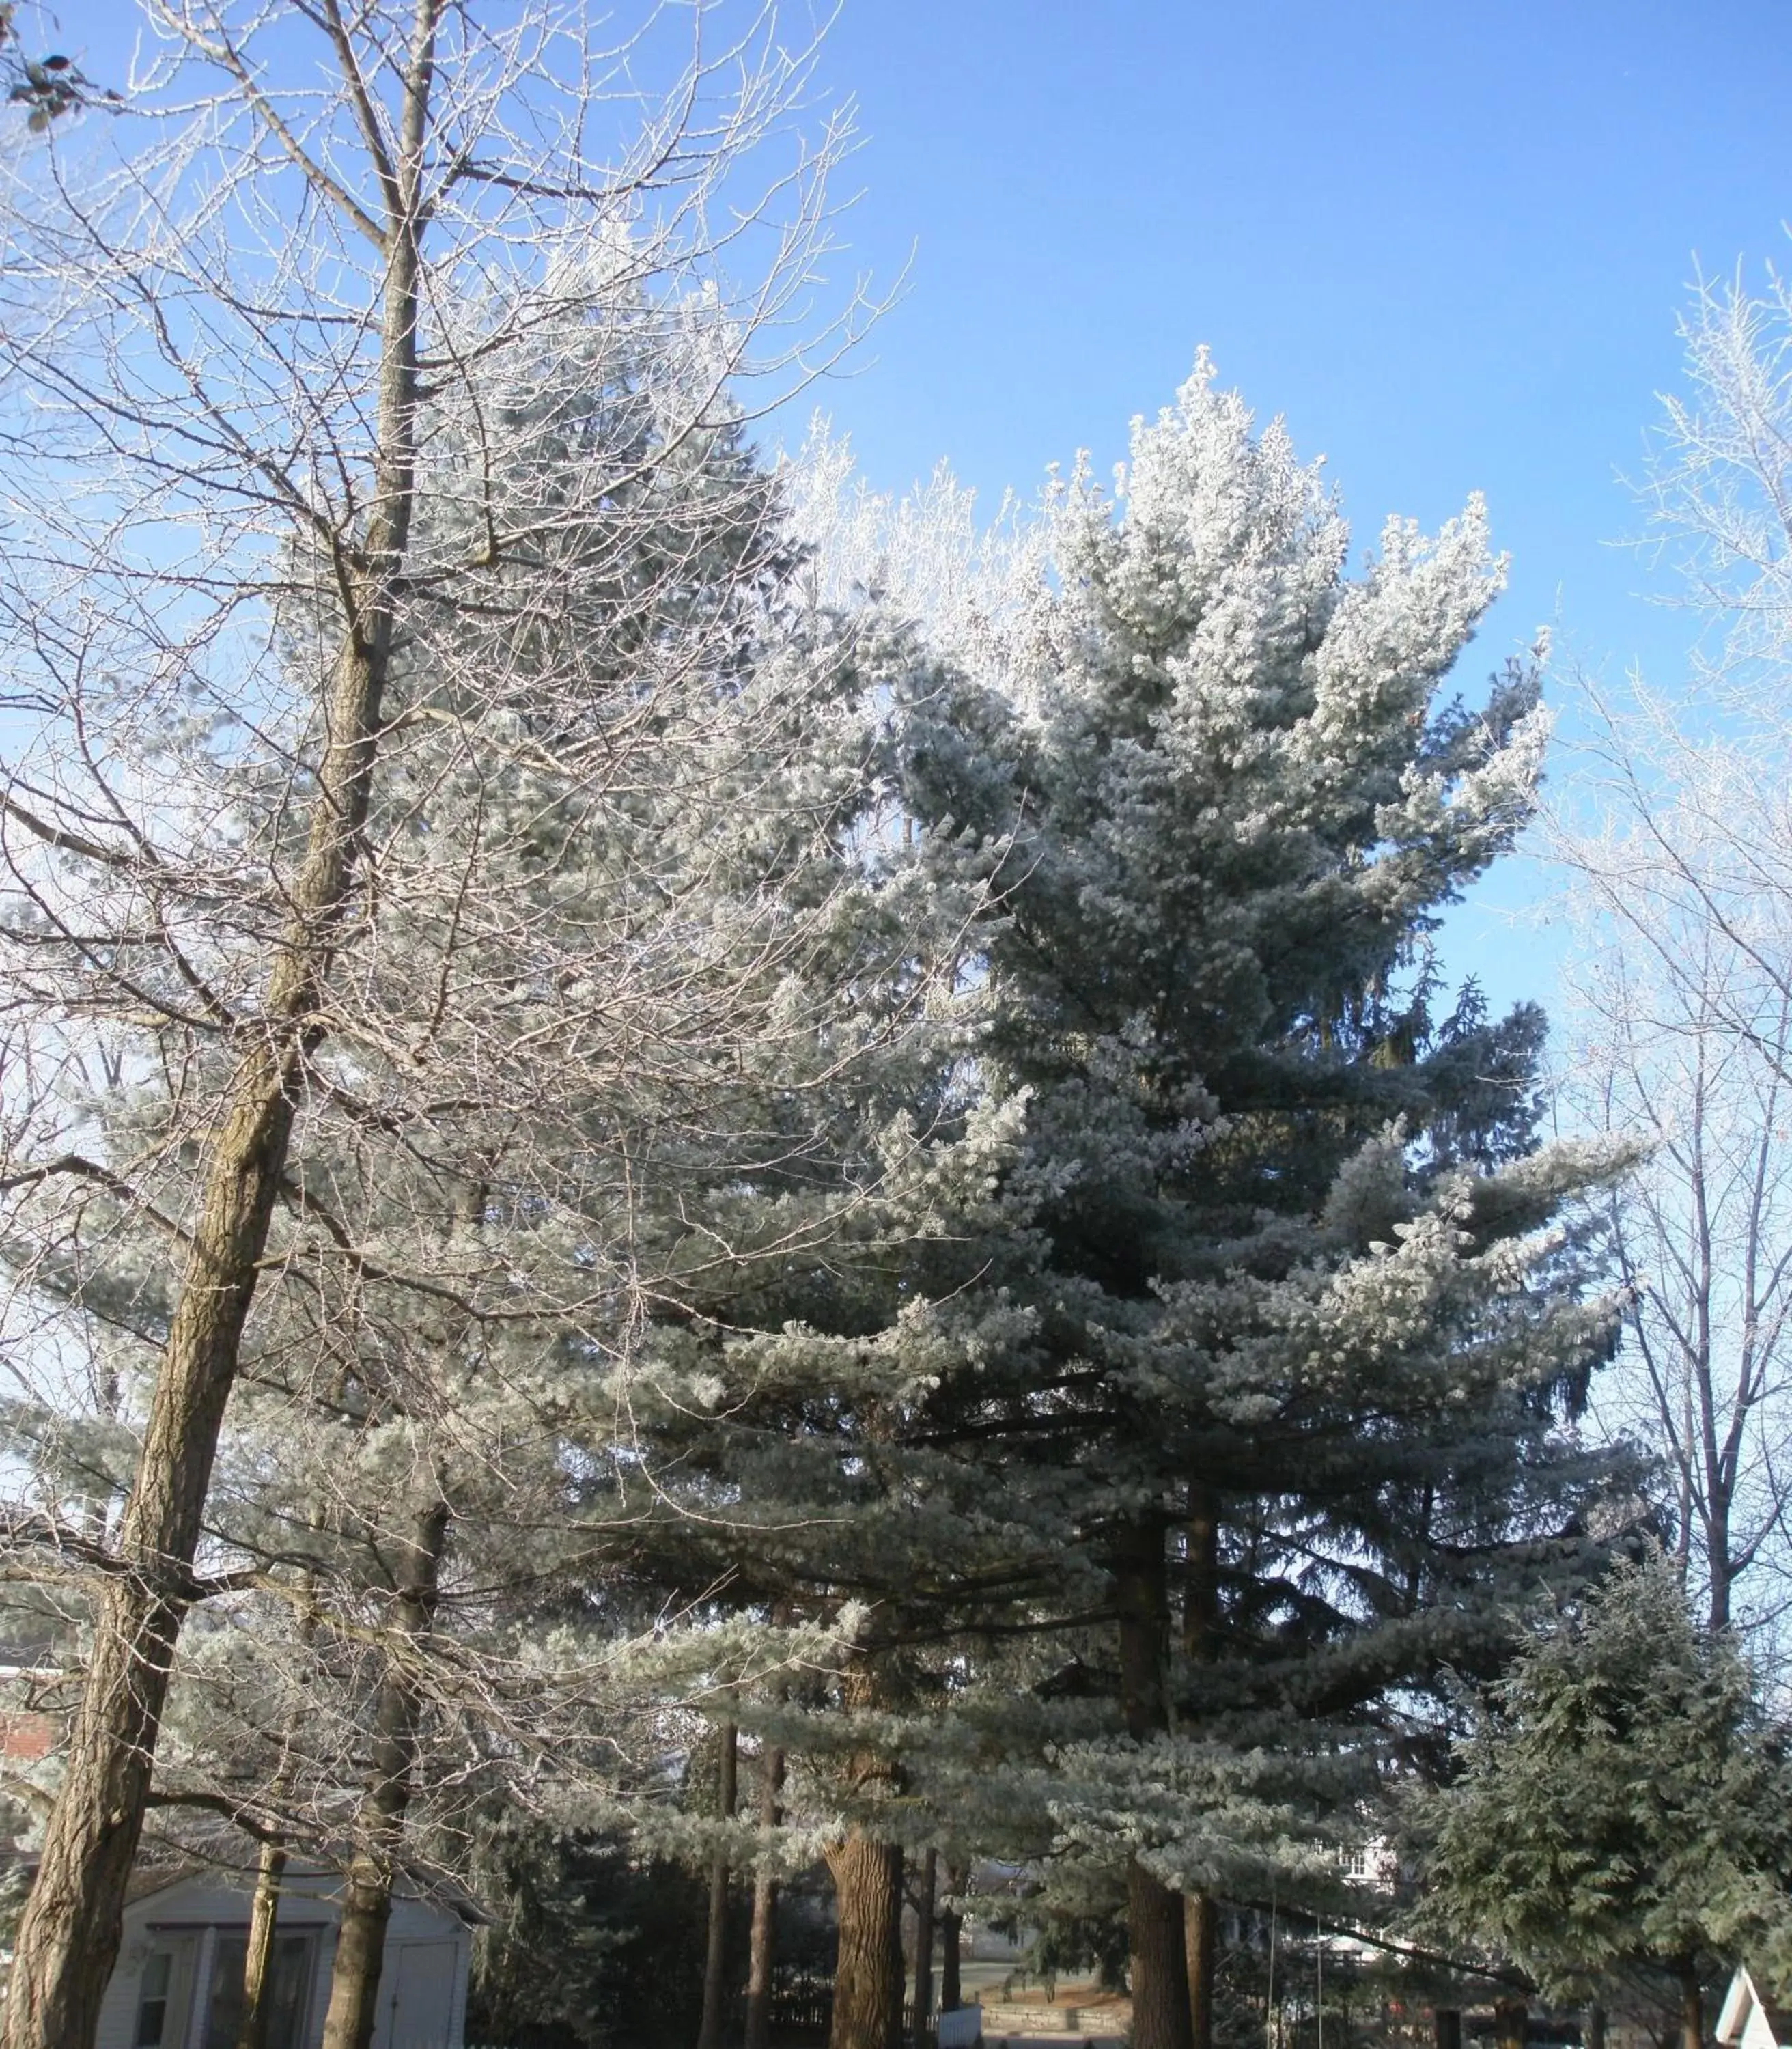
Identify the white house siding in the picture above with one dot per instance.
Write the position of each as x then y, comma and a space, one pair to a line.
423, 1979
1747, 2021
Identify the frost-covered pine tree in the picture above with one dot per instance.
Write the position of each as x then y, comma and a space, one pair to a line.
1288, 1329
1233, 1272
785, 1408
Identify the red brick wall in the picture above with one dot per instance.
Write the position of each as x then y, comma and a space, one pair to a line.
25, 1738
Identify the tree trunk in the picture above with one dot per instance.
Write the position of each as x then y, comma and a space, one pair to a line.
1692, 2007
1154, 1913
923, 1947
67, 1939
264, 1919
1446, 2027
1595, 2027
1200, 1643
1159, 1969
951, 1929
868, 1976
868, 1979
1720, 1572
1200, 1940
366, 1899
763, 1946
715, 1962
1510, 2017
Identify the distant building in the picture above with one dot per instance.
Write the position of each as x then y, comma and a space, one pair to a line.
178, 1984
25, 1738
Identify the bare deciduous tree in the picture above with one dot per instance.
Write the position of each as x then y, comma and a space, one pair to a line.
1702, 1235
331, 249
1675, 835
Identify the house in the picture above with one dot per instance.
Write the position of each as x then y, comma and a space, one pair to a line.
1750, 2022
178, 1983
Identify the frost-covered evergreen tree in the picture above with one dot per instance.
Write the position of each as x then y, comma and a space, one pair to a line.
222, 405
1228, 1281
787, 1413
1279, 1318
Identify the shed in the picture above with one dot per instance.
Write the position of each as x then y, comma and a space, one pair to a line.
1748, 2021
178, 1982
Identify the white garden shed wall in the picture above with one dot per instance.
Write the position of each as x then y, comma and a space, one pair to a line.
176, 1984
1748, 2021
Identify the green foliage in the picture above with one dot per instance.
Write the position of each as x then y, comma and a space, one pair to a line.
1623, 1798
596, 1055
831, 1145
591, 1948
1276, 1228
1216, 1191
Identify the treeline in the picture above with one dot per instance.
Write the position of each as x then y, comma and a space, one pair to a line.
632, 1114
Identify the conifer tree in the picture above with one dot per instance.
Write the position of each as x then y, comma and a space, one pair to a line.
663, 782
1622, 1803
1229, 1234
786, 1413
1281, 1257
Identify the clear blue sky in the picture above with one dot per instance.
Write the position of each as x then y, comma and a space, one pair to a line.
1447, 241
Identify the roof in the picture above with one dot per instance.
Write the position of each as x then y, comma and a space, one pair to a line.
146, 1880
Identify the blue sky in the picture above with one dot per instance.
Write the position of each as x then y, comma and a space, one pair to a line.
1447, 242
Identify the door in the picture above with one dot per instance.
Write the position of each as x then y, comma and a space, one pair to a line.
418, 2002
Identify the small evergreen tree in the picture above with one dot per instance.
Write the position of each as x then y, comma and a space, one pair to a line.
1623, 1801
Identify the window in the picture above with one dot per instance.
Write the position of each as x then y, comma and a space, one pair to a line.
288, 1980
152, 2000
165, 1991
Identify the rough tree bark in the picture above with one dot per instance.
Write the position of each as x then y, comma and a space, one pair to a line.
715, 1962
1154, 1913
1692, 2006
867, 1874
923, 1946
264, 1921
1200, 1939
1200, 1641
367, 1898
867, 1974
67, 1940
762, 1951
